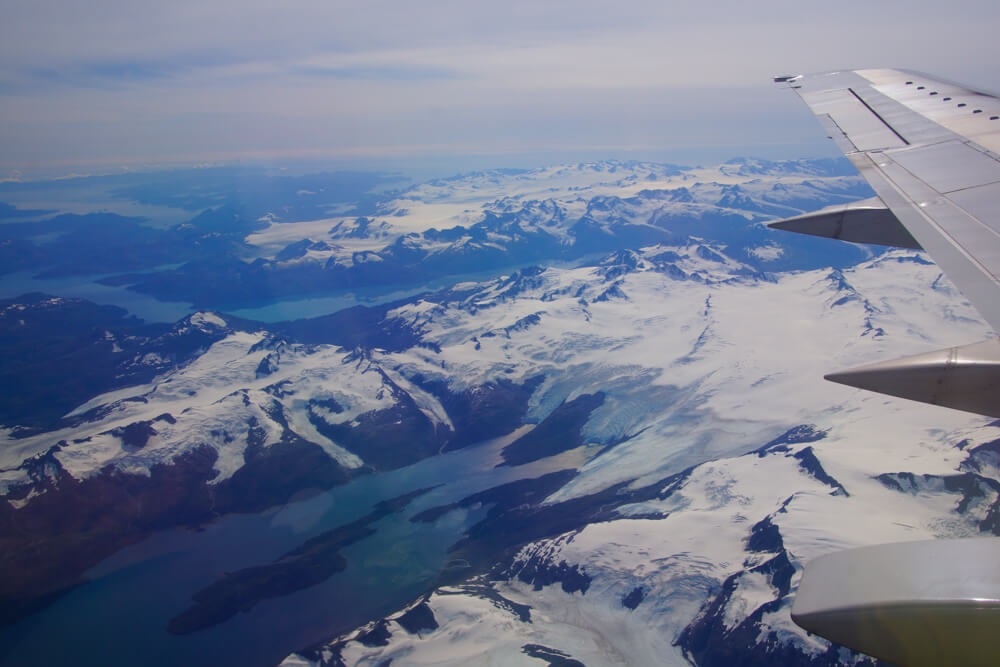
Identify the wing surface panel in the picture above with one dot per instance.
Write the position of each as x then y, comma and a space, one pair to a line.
865, 130
949, 166
940, 186
917, 142
962, 245
952, 106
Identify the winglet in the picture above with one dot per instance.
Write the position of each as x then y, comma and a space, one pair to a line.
965, 378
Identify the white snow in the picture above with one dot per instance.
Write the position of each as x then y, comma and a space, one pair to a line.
767, 252
213, 400
700, 362
277, 235
698, 372
202, 319
693, 370
551, 199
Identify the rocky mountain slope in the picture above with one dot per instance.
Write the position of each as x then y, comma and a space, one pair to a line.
668, 455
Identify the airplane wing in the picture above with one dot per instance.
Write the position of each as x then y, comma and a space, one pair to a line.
931, 151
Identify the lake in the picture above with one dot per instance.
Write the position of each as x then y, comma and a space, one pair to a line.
120, 616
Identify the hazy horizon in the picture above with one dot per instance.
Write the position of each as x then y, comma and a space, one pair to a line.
120, 84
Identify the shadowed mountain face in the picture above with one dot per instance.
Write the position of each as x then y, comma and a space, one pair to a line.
640, 437
57, 353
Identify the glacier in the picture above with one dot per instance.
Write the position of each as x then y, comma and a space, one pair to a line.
715, 377
672, 360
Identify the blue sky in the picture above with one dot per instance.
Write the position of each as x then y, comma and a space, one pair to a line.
111, 83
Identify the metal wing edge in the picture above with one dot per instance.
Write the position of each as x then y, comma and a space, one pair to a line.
964, 378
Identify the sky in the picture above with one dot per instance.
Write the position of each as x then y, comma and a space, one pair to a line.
109, 84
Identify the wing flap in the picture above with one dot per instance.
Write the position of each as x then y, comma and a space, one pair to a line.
862, 127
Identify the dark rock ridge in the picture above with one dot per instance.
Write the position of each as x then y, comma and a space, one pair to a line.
135, 436
484, 590
540, 573
810, 464
765, 537
634, 598
418, 619
807, 459
708, 641
553, 656
378, 635
793, 436
559, 432
978, 495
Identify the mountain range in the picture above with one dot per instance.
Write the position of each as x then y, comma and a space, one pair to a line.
632, 358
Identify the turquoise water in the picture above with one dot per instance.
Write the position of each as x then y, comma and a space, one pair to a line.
121, 615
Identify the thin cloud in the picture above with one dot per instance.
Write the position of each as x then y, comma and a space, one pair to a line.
377, 72
143, 78
100, 75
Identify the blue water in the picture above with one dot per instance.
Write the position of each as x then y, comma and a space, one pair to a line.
82, 197
151, 310
293, 309
140, 305
120, 616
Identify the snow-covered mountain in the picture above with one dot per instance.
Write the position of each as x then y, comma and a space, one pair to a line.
489, 221
543, 213
722, 460
669, 454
